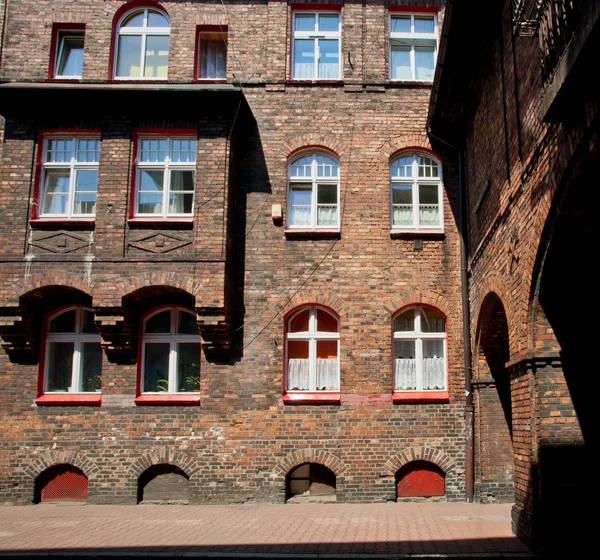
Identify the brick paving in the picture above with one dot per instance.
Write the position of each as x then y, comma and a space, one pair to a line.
323, 529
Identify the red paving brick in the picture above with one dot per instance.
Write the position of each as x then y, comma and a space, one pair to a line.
436, 528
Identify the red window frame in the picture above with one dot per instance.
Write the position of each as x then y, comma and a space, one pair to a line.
57, 28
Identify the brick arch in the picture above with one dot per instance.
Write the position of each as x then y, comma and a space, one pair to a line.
435, 456
62, 279
419, 297
164, 456
314, 297
52, 458
159, 278
323, 140
296, 458
406, 142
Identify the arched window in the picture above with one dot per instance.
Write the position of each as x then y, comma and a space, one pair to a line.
309, 480
142, 45
314, 192
416, 193
73, 357
313, 351
419, 350
170, 352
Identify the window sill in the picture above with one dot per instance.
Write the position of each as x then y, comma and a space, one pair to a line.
172, 399
420, 397
65, 80
69, 399
161, 223
210, 80
88, 223
312, 398
297, 82
410, 83
312, 233
417, 233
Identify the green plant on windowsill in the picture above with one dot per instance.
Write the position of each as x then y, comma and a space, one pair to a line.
405, 388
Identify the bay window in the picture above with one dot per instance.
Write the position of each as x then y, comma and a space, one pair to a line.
416, 193
313, 350
413, 47
316, 46
313, 200
419, 350
165, 177
69, 181
170, 352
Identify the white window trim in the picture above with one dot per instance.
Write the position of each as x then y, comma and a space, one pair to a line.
73, 166
173, 339
78, 338
314, 182
144, 32
316, 35
418, 337
312, 336
167, 166
415, 181
62, 35
409, 38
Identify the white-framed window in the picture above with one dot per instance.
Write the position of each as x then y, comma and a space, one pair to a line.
316, 45
166, 176
73, 356
142, 45
170, 352
416, 193
419, 350
69, 54
413, 46
212, 55
314, 192
69, 181
312, 351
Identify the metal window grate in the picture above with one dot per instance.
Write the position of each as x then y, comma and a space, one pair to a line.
64, 483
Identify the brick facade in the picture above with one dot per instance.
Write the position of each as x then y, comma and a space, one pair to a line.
240, 271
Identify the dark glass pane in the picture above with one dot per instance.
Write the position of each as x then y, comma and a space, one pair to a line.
91, 367
89, 326
63, 323
187, 323
188, 367
405, 322
156, 367
299, 322
60, 366
159, 323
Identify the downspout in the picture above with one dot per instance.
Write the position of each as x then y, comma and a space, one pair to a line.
466, 316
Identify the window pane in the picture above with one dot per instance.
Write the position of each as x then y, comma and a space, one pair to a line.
327, 205
151, 181
63, 323
180, 203
134, 20
402, 194
182, 180
424, 62
400, 24
304, 59
402, 205
157, 57
405, 371
57, 192
299, 322
88, 150
405, 322
402, 168
432, 321
183, 150
86, 184
301, 205
298, 366
304, 22
59, 151
326, 166
60, 366
326, 322
156, 19
88, 326
429, 194
71, 56
427, 167
150, 204
433, 366
401, 63
187, 323
327, 194
153, 150
327, 375
329, 22
91, 367
302, 167
213, 61
159, 323
128, 56
188, 367
156, 366
424, 24
329, 67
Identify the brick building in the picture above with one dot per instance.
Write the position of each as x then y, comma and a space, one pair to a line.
230, 258
523, 116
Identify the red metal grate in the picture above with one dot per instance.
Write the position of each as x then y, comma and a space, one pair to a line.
420, 479
64, 483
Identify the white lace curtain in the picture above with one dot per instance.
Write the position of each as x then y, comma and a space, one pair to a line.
327, 215
432, 369
213, 60
298, 374
403, 215
306, 71
429, 215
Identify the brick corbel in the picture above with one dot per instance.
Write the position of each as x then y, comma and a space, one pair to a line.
215, 330
19, 338
116, 331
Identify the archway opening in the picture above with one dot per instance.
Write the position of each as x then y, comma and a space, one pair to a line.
164, 484
61, 483
494, 463
310, 482
420, 479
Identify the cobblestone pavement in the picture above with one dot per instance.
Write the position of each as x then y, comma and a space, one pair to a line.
303, 529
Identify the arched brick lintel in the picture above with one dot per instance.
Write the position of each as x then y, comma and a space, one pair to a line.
164, 456
418, 297
52, 458
296, 458
321, 141
435, 456
411, 142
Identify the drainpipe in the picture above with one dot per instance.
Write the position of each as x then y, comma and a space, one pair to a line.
466, 316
